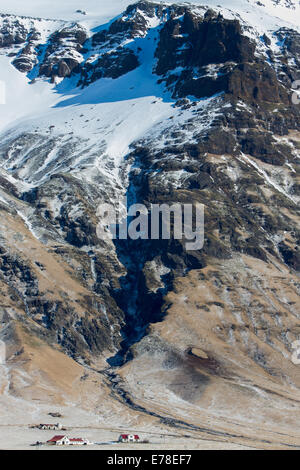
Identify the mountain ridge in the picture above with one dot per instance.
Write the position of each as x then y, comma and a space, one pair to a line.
121, 117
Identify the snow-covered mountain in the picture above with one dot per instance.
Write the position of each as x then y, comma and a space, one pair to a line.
159, 102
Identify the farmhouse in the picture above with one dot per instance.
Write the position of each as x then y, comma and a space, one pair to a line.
59, 441
129, 438
66, 441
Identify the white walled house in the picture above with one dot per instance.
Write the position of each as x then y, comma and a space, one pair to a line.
59, 441
52, 427
129, 438
66, 441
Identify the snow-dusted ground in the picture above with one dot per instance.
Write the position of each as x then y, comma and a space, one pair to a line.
17, 415
106, 117
22, 99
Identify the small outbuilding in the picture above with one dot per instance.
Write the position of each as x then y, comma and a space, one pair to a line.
79, 442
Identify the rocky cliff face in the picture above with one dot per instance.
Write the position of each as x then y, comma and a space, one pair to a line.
220, 128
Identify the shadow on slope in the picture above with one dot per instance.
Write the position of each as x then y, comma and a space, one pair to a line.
138, 83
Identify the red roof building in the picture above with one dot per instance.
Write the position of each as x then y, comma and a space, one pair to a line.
129, 438
66, 441
56, 438
59, 440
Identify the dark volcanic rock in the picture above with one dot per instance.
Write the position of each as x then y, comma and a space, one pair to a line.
110, 65
263, 146
62, 55
12, 31
193, 42
291, 256
256, 83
